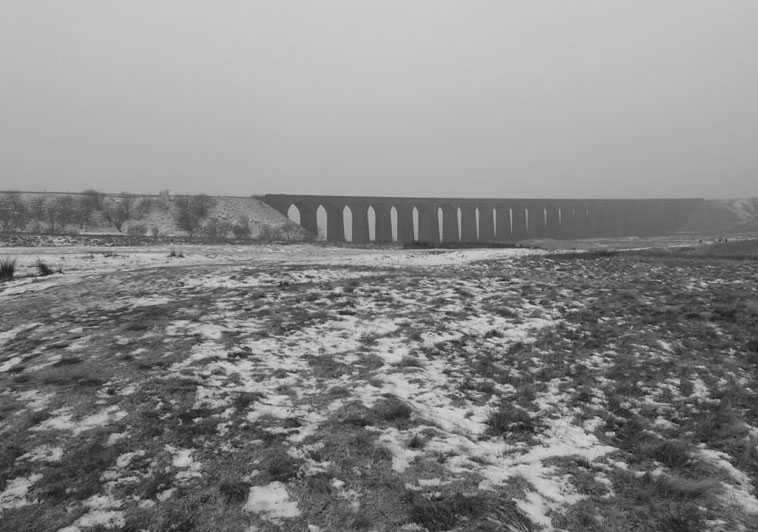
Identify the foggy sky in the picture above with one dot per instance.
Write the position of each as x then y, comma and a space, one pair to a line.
417, 97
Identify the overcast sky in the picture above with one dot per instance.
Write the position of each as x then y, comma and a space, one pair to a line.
462, 98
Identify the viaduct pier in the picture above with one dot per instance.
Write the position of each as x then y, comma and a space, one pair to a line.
396, 219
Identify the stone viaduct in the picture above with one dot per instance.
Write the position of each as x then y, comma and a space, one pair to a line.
484, 220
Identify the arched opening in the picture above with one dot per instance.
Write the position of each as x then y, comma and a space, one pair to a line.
293, 213
371, 213
393, 222
414, 216
527, 221
321, 222
459, 217
440, 217
347, 223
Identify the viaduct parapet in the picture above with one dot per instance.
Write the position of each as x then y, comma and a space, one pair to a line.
389, 219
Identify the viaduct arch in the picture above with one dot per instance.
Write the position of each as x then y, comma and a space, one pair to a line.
485, 220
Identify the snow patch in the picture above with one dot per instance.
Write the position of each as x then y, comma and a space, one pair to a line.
43, 453
15, 492
272, 502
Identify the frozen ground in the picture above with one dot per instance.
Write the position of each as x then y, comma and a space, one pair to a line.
317, 388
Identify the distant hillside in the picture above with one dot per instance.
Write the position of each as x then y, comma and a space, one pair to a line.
728, 216
92, 212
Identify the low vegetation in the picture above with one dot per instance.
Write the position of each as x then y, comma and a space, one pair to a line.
7, 268
44, 269
421, 391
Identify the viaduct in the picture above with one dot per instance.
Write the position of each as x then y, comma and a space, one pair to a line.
484, 220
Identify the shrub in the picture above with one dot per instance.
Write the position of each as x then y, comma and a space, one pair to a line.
409, 361
509, 418
269, 233
393, 410
176, 254
241, 229
234, 491
280, 466
136, 230
671, 453
191, 211
44, 268
7, 268
216, 228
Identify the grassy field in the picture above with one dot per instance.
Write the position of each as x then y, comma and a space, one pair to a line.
391, 391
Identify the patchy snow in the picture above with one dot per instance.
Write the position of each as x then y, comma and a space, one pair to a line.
103, 511
149, 301
14, 495
417, 338
272, 502
402, 456
34, 399
700, 389
10, 334
43, 453
182, 459
115, 437
63, 420
10, 364
739, 492
425, 258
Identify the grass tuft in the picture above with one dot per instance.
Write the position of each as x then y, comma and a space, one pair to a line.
244, 399
409, 361
7, 268
44, 269
509, 418
418, 441
479, 512
393, 410
673, 487
280, 466
671, 453
234, 491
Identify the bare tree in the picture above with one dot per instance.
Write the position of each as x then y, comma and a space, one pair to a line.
116, 212
88, 202
126, 201
66, 210
190, 211
36, 206
13, 212
51, 213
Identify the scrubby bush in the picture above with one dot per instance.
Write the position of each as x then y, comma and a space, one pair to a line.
241, 229
190, 212
509, 418
269, 233
216, 228
45, 269
7, 268
136, 230
233, 490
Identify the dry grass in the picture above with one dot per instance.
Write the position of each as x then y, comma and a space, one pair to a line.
385, 403
7, 268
